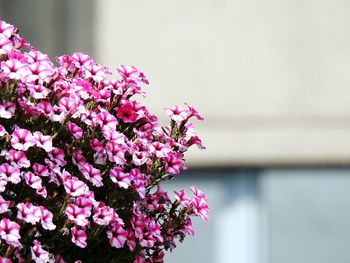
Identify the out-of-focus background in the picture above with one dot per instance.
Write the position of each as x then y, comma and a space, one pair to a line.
272, 81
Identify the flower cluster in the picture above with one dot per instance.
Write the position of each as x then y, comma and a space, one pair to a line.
81, 162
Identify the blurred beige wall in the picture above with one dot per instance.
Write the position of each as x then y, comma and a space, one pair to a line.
271, 77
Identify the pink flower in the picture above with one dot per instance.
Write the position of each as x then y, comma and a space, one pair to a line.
78, 158
74, 187
9, 231
6, 29
104, 215
5, 260
177, 113
44, 107
139, 158
106, 120
11, 173
173, 163
15, 69
43, 141
127, 113
28, 213
22, 139
115, 153
57, 155
192, 112
40, 71
118, 177
117, 235
131, 74
76, 131
32, 180
40, 170
159, 149
39, 255
199, 203
4, 205
91, 174
7, 109
3, 132
5, 44
17, 158
182, 198
77, 215
96, 145
38, 91
46, 219
78, 237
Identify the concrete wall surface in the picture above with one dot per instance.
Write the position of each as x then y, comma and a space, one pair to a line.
270, 77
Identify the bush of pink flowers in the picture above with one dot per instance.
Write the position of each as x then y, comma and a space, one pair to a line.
81, 162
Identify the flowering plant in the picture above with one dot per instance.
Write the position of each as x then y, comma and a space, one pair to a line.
81, 162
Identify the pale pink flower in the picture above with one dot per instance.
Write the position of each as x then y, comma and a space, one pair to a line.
161, 150
192, 112
96, 145
78, 237
77, 215
57, 156
95, 71
177, 113
131, 74
131, 240
182, 199
139, 157
106, 120
69, 104
40, 170
75, 187
32, 180
17, 158
6, 29
43, 141
3, 132
9, 231
104, 215
115, 153
5, 260
86, 202
4, 205
5, 44
147, 240
44, 107
7, 109
114, 136
80, 59
78, 158
76, 131
91, 174
199, 203
39, 255
38, 91
118, 177
15, 69
40, 71
173, 163
37, 56
117, 235
22, 139
11, 173
46, 218
28, 213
